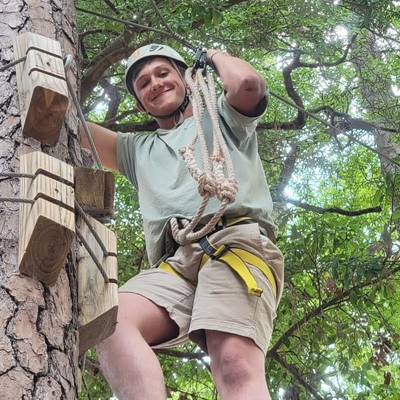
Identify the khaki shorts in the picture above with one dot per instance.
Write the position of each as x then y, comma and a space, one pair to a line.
218, 299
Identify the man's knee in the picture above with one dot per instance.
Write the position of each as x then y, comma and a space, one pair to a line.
234, 359
234, 369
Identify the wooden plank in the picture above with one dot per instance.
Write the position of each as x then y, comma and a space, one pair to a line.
45, 240
42, 88
98, 301
29, 40
47, 227
94, 191
40, 163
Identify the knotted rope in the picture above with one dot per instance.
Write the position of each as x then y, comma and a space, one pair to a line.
212, 180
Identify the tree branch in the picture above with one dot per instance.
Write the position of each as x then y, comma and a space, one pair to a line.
111, 5
286, 172
181, 354
339, 61
293, 370
336, 210
293, 125
107, 122
115, 99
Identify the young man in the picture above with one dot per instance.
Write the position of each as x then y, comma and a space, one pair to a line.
184, 296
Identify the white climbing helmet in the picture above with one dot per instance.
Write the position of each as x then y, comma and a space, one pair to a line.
150, 50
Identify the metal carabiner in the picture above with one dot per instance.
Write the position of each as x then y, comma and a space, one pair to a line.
200, 60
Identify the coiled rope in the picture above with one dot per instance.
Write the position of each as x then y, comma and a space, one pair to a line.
212, 180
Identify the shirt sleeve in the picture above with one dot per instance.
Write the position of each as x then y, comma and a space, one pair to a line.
126, 148
241, 125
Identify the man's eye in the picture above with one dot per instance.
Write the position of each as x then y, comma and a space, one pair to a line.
164, 74
144, 84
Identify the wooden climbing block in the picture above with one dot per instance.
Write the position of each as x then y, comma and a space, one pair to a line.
46, 227
42, 87
98, 301
94, 191
40, 163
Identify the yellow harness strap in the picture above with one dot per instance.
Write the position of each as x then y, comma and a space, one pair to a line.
166, 267
236, 259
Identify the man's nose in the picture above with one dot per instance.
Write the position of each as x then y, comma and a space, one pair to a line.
155, 83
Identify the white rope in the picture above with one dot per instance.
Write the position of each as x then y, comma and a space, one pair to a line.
212, 180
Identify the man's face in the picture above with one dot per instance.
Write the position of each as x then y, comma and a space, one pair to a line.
159, 87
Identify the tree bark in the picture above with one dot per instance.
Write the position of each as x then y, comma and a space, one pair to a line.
38, 324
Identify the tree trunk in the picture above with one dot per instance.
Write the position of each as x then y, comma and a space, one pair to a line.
38, 324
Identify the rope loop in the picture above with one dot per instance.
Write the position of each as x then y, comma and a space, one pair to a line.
212, 181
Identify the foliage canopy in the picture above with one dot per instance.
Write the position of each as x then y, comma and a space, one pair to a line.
337, 204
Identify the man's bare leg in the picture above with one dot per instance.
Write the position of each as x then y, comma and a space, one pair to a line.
238, 367
127, 361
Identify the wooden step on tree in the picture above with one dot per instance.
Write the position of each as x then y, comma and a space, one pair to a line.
46, 227
42, 87
94, 191
98, 300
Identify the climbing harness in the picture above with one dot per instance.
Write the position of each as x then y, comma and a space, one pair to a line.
233, 257
211, 180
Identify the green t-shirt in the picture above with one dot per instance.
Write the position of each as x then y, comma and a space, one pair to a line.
166, 189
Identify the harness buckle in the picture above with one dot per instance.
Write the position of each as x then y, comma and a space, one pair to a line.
220, 251
213, 252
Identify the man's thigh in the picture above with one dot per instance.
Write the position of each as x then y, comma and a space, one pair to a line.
172, 297
222, 302
152, 321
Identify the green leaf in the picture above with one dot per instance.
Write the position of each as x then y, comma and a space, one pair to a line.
353, 298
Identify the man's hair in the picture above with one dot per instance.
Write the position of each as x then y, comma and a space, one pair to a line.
146, 61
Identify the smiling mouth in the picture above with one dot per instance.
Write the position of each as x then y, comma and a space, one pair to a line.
161, 94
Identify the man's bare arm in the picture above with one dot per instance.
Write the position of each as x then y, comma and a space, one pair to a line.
244, 86
105, 142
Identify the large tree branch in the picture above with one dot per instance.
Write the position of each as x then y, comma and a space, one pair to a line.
115, 99
300, 120
337, 210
